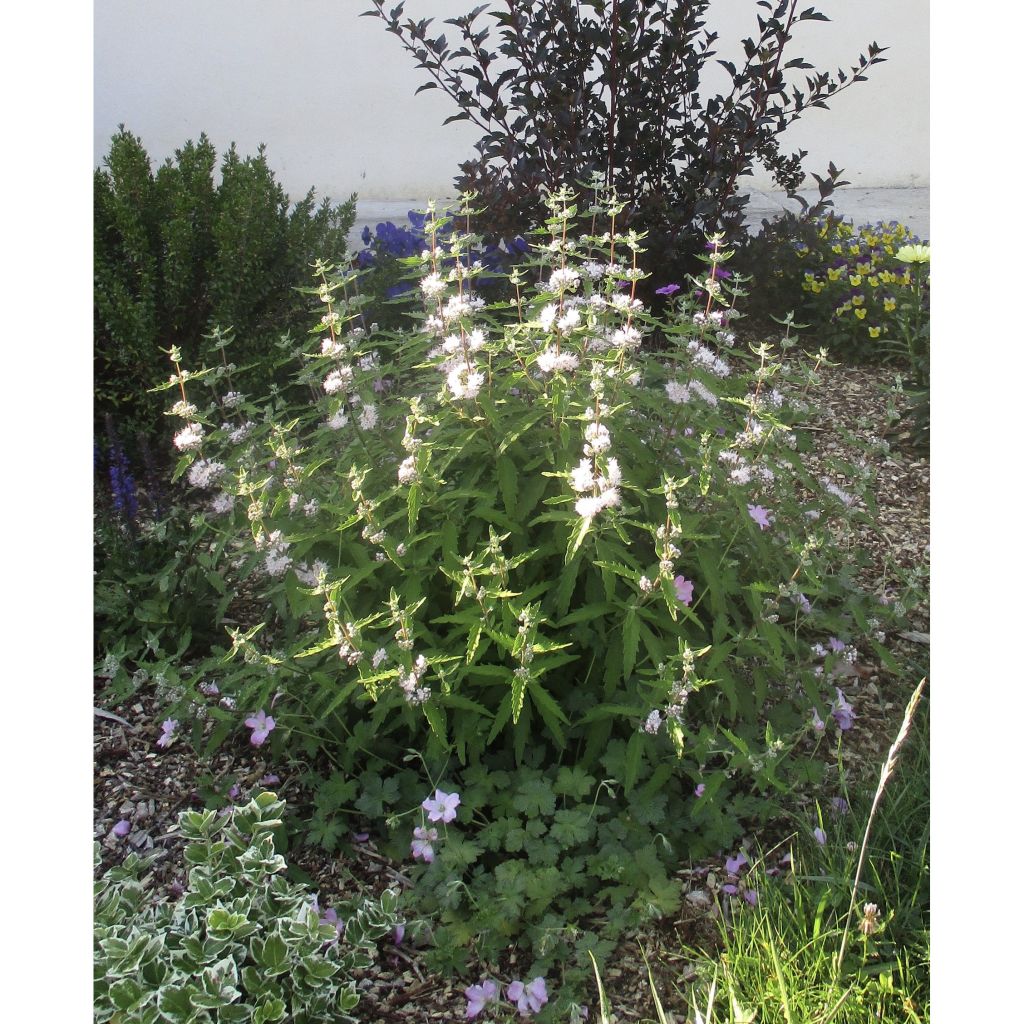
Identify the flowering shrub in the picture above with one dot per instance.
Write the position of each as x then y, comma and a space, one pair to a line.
649, 123
242, 944
592, 579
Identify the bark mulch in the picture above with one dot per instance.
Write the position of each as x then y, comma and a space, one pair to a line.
137, 781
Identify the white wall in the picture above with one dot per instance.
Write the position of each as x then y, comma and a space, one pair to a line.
331, 93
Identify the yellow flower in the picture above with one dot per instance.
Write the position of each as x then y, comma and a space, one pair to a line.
834, 275
857, 300
838, 249
874, 332
873, 281
855, 280
888, 305
863, 268
860, 313
914, 254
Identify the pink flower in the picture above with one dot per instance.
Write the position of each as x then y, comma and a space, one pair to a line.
262, 726
167, 736
760, 516
529, 998
699, 791
478, 996
684, 589
733, 864
421, 848
441, 807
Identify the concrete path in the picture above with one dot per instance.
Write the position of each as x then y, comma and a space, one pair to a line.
862, 205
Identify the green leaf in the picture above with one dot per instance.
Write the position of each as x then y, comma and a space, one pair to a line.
634, 756
271, 954
630, 642
549, 711
519, 682
508, 479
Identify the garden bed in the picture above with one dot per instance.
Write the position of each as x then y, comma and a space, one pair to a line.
147, 786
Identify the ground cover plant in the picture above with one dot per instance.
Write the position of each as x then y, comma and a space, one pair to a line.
804, 950
623, 88
553, 609
177, 253
241, 944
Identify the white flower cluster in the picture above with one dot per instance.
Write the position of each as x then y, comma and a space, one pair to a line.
603, 487
410, 682
703, 356
277, 561
223, 503
205, 473
232, 399
550, 361
190, 438
239, 435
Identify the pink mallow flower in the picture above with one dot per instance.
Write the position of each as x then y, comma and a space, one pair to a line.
529, 998
842, 711
478, 996
760, 516
684, 589
441, 807
262, 726
166, 738
421, 844
733, 864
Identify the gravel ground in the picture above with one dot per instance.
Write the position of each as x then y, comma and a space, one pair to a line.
137, 781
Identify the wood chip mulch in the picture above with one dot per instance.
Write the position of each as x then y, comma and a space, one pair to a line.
138, 782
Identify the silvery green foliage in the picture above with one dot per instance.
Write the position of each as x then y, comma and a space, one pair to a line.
242, 944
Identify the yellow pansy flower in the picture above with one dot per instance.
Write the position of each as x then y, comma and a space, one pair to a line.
860, 313
855, 280
874, 332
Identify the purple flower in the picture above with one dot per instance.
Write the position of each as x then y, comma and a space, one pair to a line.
167, 736
730, 889
802, 603
842, 711
441, 807
269, 780
669, 289
699, 791
684, 589
733, 864
760, 516
360, 837
478, 996
819, 836
209, 689
398, 935
840, 806
330, 916
816, 722
422, 838
836, 644
529, 998
750, 895
122, 828
262, 725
